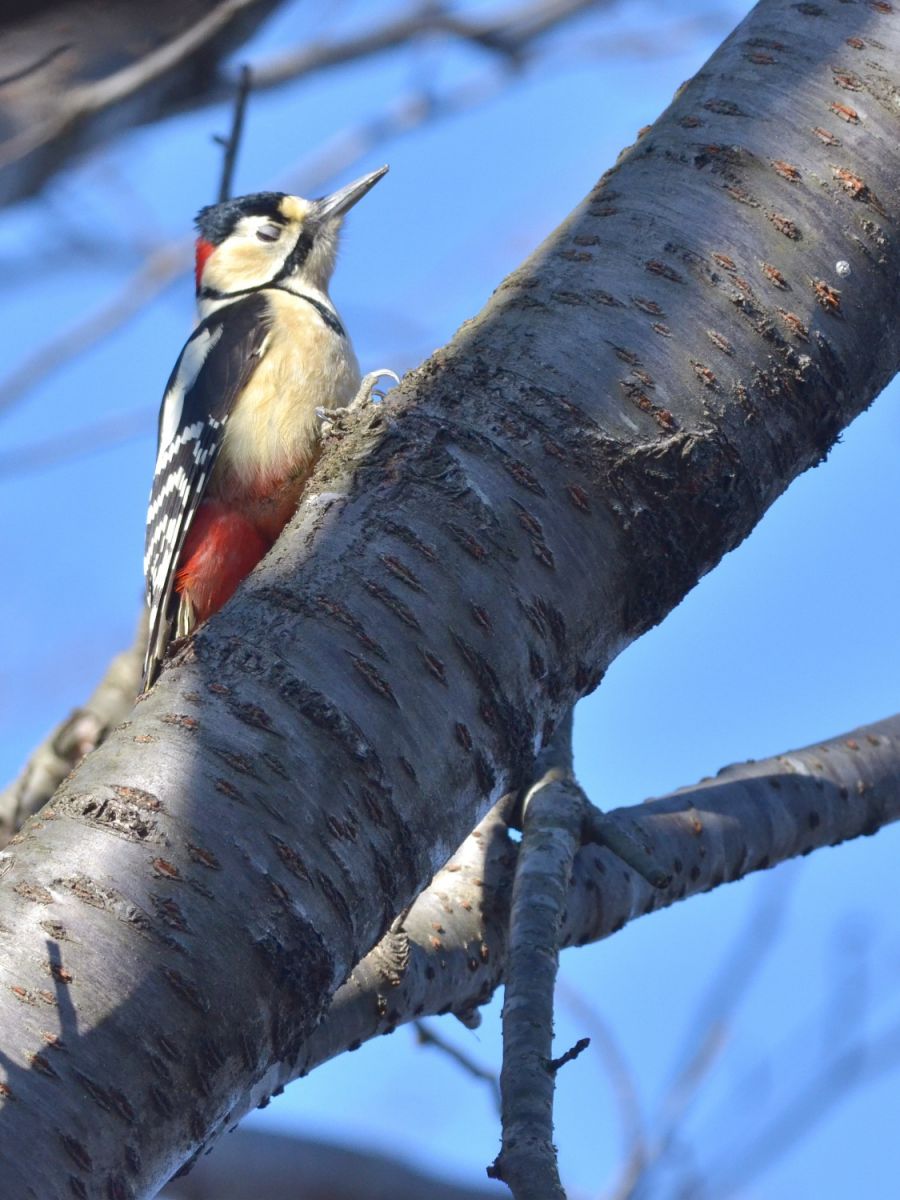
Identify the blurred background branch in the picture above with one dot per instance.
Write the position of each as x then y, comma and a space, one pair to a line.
69, 81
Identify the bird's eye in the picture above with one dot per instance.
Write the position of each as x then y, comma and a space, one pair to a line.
269, 232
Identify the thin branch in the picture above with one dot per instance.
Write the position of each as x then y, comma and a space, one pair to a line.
557, 818
232, 143
426, 1036
625, 845
751, 817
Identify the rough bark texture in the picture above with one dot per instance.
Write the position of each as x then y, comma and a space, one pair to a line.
540, 493
448, 954
554, 811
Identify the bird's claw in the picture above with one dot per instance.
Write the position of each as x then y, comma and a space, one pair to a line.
367, 387
328, 417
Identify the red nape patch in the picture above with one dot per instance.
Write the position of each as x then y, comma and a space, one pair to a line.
203, 250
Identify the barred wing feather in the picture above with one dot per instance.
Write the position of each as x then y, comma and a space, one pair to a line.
213, 369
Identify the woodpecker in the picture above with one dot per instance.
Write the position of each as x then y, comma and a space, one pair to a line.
239, 424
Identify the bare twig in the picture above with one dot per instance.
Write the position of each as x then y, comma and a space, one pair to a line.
557, 1064
232, 143
426, 1036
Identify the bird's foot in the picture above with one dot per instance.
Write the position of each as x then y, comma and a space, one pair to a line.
328, 417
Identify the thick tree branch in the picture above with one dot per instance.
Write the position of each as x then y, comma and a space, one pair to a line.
413, 971
449, 952
553, 819
469, 559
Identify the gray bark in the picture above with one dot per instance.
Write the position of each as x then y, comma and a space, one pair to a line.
468, 561
449, 952
553, 818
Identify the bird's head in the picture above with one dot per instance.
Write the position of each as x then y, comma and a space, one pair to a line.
271, 237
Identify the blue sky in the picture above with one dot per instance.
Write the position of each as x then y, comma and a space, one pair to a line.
790, 639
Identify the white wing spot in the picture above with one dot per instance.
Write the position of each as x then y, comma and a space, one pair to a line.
192, 359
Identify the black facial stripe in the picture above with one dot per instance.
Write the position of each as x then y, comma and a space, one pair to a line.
326, 314
298, 256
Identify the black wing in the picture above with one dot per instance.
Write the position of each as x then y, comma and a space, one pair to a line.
211, 372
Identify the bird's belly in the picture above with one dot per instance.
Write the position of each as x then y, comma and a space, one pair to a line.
271, 439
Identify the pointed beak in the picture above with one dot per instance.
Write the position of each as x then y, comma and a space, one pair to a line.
343, 200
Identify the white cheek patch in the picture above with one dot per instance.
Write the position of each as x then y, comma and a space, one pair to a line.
273, 255
244, 262
192, 360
